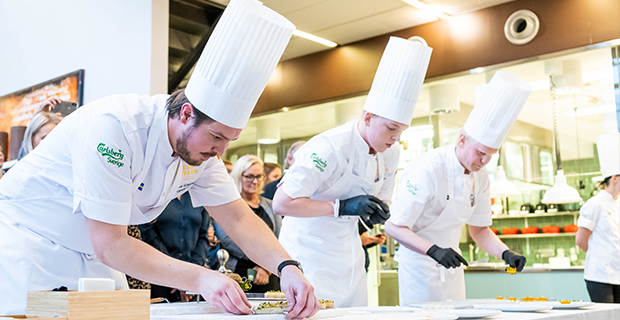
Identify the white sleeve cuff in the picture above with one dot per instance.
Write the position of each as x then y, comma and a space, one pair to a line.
336, 205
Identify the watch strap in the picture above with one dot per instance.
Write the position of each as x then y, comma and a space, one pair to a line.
288, 263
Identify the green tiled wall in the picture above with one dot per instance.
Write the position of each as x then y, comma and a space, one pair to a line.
540, 248
582, 166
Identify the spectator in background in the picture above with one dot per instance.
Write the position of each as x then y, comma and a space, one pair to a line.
249, 177
229, 165
38, 128
270, 188
1, 159
369, 241
273, 172
179, 232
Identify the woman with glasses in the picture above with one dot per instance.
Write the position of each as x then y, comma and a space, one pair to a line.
249, 178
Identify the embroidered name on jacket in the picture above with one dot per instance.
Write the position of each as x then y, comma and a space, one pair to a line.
318, 162
114, 157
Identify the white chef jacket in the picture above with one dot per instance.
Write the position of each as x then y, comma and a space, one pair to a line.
423, 188
110, 161
434, 198
335, 149
335, 165
601, 215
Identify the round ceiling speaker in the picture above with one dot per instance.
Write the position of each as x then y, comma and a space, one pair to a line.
521, 27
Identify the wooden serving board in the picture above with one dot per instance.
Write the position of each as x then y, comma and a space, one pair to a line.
118, 305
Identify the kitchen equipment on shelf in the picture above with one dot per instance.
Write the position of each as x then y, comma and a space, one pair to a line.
540, 208
551, 229
526, 208
510, 230
571, 228
530, 230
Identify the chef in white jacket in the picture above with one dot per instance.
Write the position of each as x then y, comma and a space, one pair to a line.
599, 226
347, 173
449, 186
64, 209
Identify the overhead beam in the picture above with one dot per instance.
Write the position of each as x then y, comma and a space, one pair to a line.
192, 58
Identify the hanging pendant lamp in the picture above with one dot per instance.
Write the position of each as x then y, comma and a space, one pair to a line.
561, 192
501, 187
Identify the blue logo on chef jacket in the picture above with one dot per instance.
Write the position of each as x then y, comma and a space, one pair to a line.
412, 188
141, 186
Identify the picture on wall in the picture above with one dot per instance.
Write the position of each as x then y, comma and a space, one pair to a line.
17, 108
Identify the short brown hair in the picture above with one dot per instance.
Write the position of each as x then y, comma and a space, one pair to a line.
174, 103
270, 166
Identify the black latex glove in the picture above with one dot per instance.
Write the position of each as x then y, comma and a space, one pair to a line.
370, 208
514, 259
446, 257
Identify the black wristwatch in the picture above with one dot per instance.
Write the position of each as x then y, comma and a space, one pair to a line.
288, 263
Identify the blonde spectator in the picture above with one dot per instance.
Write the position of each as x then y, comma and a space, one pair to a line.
38, 128
249, 178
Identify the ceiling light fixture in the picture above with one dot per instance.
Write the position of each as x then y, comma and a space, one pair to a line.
501, 187
268, 130
565, 77
314, 38
561, 192
427, 9
444, 98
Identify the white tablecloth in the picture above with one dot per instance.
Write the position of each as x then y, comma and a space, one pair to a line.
595, 312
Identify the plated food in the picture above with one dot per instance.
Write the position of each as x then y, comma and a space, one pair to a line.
243, 282
280, 307
275, 294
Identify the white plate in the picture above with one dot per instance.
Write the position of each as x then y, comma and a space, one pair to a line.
516, 306
266, 299
474, 313
440, 305
571, 305
382, 309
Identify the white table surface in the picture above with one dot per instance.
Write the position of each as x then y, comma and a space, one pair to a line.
595, 312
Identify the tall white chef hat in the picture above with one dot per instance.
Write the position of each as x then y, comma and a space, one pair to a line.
238, 61
608, 146
398, 80
498, 108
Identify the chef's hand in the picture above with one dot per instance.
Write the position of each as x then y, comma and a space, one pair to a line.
262, 276
446, 257
380, 238
514, 259
224, 292
370, 208
302, 303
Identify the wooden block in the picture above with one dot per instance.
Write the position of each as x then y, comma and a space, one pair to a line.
118, 304
36, 318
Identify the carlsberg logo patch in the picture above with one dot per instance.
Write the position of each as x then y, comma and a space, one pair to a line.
318, 162
412, 188
114, 157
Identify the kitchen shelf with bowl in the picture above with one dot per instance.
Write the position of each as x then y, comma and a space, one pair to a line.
537, 235
535, 215
536, 245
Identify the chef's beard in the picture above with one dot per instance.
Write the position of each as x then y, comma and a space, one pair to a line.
184, 153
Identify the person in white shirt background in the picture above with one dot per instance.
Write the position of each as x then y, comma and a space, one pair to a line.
449, 186
599, 226
348, 173
64, 208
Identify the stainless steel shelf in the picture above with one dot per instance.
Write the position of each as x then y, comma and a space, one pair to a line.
537, 235
536, 215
